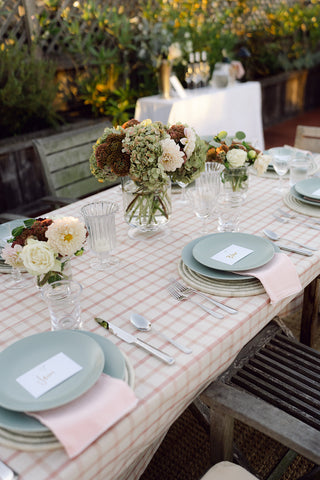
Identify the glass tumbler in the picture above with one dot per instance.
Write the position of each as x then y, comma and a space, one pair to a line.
63, 300
99, 218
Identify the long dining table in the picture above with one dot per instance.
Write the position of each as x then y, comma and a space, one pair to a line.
139, 284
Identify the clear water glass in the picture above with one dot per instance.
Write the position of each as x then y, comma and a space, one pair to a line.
299, 167
63, 300
183, 197
99, 218
202, 200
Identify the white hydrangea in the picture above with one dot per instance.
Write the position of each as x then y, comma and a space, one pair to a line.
172, 157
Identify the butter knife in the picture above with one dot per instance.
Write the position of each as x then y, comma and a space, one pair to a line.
127, 337
300, 251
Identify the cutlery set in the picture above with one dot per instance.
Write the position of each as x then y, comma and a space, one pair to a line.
178, 291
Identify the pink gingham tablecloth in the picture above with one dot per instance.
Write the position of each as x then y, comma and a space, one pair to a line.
139, 285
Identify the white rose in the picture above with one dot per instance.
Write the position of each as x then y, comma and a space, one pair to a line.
262, 162
236, 157
38, 258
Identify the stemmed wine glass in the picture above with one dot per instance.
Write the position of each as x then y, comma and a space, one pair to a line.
203, 196
99, 218
281, 163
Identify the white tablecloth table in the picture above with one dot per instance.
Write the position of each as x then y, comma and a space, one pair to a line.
139, 285
210, 110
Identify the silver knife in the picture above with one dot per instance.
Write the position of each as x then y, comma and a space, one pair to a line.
301, 251
127, 337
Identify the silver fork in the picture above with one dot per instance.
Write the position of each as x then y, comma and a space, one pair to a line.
293, 220
188, 290
297, 216
181, 297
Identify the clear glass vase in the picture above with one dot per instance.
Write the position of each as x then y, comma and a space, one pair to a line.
146, 209
54, 276
235, 181
234, 188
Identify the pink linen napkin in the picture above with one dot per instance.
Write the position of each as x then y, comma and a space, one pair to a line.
80, 422
279, 277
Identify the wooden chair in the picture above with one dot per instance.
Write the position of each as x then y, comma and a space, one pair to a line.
65, 162
307, 138
228, 471
273, 386
64, 159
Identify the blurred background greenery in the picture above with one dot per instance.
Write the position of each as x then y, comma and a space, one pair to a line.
60, 56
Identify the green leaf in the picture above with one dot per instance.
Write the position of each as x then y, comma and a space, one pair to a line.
240, 135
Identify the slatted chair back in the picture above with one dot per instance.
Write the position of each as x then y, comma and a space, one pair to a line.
308, 138
65, 162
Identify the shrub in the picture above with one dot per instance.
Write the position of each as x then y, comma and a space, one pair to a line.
27, 91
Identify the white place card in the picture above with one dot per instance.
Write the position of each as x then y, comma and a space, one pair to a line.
232, 254
48, 374
317, 192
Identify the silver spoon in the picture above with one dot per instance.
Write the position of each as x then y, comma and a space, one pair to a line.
274, 236
142, 324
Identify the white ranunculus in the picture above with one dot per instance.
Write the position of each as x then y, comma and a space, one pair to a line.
172, 157
262, 162
11, 255
189, 141
236, 157
38, 258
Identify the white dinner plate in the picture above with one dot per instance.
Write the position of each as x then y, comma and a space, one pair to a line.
31, 351
262, 251
307, 187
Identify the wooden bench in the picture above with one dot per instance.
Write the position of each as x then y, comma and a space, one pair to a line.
64, 160
272, 386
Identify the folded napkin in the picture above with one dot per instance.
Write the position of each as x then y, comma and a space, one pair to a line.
80, 422
279, 277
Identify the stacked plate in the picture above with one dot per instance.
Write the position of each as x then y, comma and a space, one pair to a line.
94, 353
304, 197
201, 271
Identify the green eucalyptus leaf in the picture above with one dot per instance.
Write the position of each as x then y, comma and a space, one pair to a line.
240, 135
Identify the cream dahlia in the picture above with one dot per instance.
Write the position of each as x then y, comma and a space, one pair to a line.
66, 235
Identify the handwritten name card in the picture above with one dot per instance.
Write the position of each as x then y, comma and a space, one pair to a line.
316, 193
48, 374
232, 254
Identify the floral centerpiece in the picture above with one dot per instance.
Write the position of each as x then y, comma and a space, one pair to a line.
44, 247
236, 154
149, 154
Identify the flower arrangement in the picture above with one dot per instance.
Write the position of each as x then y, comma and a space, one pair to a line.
234, 152
151, 154
44, 246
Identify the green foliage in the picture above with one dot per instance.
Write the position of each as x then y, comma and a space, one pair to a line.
27, 91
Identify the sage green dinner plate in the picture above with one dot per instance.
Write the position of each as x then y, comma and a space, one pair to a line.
307, 187
262, 251
25, 354
302, 199
114, 365
195, 266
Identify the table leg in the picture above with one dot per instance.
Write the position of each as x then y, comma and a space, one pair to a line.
310, 312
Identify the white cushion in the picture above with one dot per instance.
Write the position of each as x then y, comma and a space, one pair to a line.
228, 471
